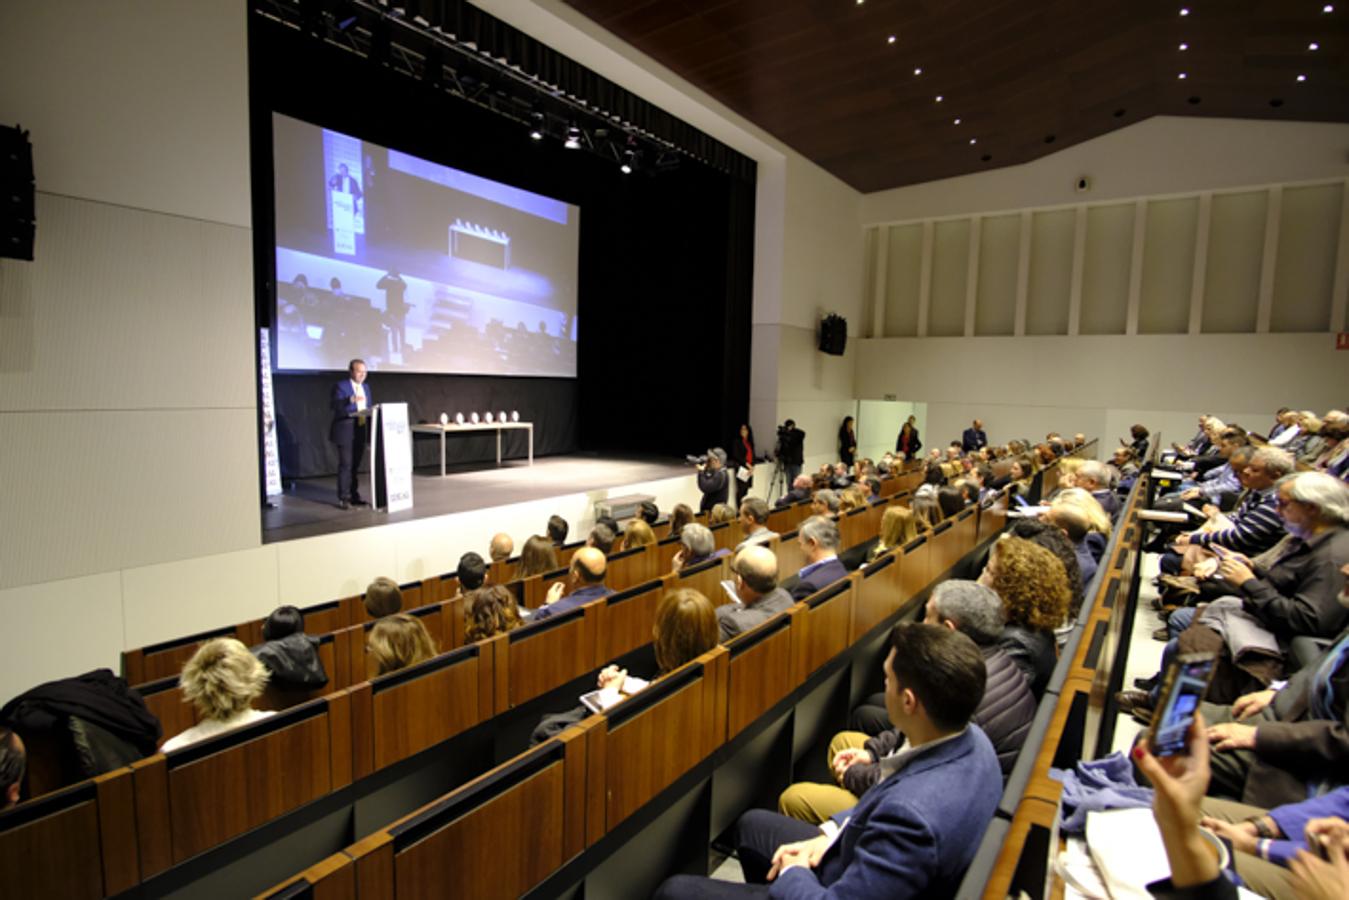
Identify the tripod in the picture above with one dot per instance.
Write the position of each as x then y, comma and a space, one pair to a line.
777, 485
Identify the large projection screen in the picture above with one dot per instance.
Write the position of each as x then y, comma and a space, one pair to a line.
414, 266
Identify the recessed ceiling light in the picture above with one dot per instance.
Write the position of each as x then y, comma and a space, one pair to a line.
1327, 8
1184, 10
918, 70
972, 141
1183, 47
1313, 46
1302, 78
860, 2
890, 39
956, 122
1181, 76
939, 98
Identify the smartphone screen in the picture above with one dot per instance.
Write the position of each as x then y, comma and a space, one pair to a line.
1185, 684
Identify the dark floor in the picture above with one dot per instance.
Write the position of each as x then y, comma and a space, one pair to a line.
309, 507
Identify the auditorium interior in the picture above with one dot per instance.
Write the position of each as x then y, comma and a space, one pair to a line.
1043, 218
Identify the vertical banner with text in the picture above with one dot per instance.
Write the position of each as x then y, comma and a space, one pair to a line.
392, 463
271, 455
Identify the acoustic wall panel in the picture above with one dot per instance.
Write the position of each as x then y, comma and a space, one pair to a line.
1309, 234
1051, 271
950, 276
999, 251
1105, 272
903, 271
1236, 245
1168, 266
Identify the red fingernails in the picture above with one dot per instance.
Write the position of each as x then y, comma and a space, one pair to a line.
1138, 752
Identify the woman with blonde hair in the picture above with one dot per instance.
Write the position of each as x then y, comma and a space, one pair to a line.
221, 680
537, 557
397, 642
899, 526
490, 610
925, 508
1097, 519
722, 512
638, 534
848, 501
1033, 585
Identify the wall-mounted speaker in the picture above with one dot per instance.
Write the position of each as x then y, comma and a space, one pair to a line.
833, 334
17, 194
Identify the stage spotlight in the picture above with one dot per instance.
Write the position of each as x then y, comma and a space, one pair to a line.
536, 126
573, 141
629, 162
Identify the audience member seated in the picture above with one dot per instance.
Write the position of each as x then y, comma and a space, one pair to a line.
801, 488
925, 509
1056, 542
1125, 463
585, 582
13, 764
849, 501
698, 546
222, 679
873, 486
950, 500
490, 610
1139, 445
501, 547
1289, 592
1019, 476
720, 513
396, 642
754, 523
685, 628
638, 534
648, 512
471, 572
1222, 480
536, 557
383, 598
1094, 478
1034, 590
289, 654
1070, 520
905, 838
1098, 523
840, 478
681, 515
899, 526
818, 538
756, 590
1004, 713
602, 538
825, 503
557, 530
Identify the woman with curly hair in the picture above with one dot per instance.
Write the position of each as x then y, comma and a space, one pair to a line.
490, 610
222, 679
1035, 597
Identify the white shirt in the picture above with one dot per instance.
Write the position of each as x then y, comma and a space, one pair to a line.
1286, 436
211, 727
358, 395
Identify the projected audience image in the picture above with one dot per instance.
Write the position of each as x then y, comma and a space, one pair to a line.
415, 266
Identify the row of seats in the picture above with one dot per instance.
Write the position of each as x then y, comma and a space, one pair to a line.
167, 809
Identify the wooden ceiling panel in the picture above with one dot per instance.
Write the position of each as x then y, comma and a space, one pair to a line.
822, 76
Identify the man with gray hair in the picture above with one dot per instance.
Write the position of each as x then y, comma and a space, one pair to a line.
754, 523
756, 588
1254, 525
801, 486
1094, 477
697, 545
818, 539
1004, 713
825, 502
714, 481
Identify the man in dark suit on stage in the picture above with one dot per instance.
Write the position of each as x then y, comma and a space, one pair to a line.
343, 183
351, 412
974, 438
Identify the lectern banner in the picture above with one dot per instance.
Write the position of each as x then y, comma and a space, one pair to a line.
392, 461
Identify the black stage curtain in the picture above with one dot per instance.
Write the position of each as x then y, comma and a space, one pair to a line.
303, 417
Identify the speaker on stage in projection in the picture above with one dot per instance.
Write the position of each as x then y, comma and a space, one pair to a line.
351, 415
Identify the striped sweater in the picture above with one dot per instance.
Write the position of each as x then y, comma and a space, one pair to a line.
1256, 526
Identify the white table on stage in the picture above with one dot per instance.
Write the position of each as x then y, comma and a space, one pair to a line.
498, 427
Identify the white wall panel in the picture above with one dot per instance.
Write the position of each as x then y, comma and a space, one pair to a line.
903, 271
1168, 266
1105, 274
59, 629
1236, 245
165, 601
1051, 272
100, 491
950, 275
1309, 234
124, 309
999, 248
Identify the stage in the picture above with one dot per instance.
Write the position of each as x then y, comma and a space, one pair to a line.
310, 509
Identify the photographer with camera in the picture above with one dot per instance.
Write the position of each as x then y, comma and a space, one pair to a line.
713, 479
790, 449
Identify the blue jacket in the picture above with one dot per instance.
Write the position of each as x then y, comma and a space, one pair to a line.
912, 835
343, 405
823, 575
576, 598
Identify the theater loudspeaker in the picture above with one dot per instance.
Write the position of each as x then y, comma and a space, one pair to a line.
833, 335
17, 189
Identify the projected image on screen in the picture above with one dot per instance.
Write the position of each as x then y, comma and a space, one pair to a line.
415, 266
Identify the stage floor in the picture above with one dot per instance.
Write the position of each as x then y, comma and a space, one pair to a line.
310, 507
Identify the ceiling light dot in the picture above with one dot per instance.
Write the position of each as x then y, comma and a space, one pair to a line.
1313, 46
1184, 10
973, 141
1302, 78
918, 71
939, 98
1327, 8
1183, 47
890, 39
1182, 76
956, 122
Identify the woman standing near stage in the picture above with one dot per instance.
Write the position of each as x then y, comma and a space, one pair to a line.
908, 442
742, 456
847, 442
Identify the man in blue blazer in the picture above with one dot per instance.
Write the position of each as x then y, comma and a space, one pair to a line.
351, 414
914, 833
819, 540
974, 438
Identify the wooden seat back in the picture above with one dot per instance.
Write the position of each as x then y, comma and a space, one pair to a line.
790, 556
331, 879
158, 661
759, 669
823, 629
916, 566
879, 593
705, 578
630, 567
532, 660
195, 798
78, 842
627, 618
360, 666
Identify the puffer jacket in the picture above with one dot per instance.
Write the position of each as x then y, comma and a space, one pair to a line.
1004, 714
294, 662
1034, 653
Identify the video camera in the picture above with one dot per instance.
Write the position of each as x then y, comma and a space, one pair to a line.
696, 460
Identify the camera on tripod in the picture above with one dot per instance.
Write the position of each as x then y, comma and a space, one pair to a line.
696, 460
